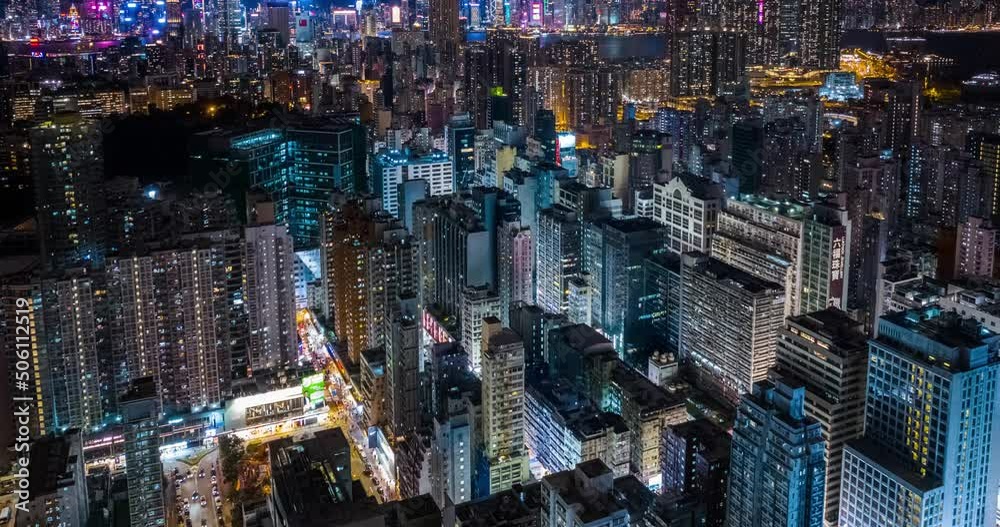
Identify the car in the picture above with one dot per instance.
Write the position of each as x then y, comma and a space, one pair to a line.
218, 509
194, 496
214, 479
204, 522
203, 502
218, 500
201, 473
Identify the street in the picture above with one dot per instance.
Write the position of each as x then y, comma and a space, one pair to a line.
199, 515
340, 395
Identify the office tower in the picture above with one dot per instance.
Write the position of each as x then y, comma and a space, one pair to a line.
748, 159
695, 464
558, 256
706, 63
171, 318
143, 470
545, 133
688, 206
986, 149
311, 478
776, 469
762, 237
827, 353
455, 248
515, 266
369, 261
477, 303
69, 352
61, 500
646, 160
456, 399
402, 359
67, 163
826, 251
391, 169
730, 324
930, 425
503, 406
300, 166
270, 295
461, 136
533, 324
582, 496
976, 244
660, 308
614, 253
444, 29
278, 19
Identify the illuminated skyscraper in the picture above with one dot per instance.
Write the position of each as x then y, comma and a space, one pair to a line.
776, 469
928, 455
144, 472
559, 256
270, 295
503, 406
69, 353
827, 352
730, 324
68, 167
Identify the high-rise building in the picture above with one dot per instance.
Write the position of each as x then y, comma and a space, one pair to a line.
478, 303
730, 322
143, 470
67, 164
369, 262
820, 39
533, 324
748, 155
503, 406
688, 206
930, 425
558, 256
825, 257
443, 21
827, 352
762, 237
456, 251
515, 266
300, 166
976, 244
68, 353
776, 469
456, 398
270, 295
170, 315
695, 463
660, 308
564, 428
461, 135
706, 62
614, 252
390, 169
986, 149
402, 359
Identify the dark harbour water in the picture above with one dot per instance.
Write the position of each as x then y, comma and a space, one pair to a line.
972, 52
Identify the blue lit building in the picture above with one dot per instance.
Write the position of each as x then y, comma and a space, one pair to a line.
777, 467
928, 456
461, 149
391, 169
300, 167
